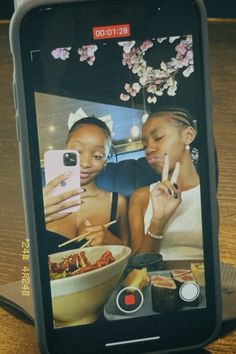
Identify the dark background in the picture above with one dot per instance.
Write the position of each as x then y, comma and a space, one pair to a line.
215, 8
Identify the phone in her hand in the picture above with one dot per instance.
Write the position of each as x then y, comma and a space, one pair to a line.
63, 162
126, 59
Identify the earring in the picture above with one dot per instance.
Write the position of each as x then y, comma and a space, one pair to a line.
187, 147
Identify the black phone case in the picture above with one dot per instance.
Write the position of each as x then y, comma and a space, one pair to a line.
22, 8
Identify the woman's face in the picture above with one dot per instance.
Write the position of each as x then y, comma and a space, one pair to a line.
91, 143
160, 136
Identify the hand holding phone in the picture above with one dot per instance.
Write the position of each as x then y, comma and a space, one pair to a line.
55, 205
62, 190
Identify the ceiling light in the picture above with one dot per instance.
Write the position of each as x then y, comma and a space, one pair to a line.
135, 131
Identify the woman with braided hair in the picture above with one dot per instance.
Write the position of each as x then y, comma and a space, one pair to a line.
165, 217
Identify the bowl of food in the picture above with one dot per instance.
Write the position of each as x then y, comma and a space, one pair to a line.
82, 281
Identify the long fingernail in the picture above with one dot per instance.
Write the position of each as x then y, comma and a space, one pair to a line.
169, 191
175, 195
175, 185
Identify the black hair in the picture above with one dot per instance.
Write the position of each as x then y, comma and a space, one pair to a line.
181, 116
93, 121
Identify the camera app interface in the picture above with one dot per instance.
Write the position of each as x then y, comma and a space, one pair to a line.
117, 118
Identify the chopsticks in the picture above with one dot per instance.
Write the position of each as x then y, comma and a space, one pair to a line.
83, 236
85, 244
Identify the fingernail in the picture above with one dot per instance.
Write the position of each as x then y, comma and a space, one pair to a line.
169, 191
175, 196
175, 185
84, 189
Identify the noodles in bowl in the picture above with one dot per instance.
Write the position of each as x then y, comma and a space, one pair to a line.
78, 298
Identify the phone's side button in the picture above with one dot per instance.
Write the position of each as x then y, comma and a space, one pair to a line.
14, 94
17, 128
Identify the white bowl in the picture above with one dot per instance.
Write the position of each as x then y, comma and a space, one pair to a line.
79, 299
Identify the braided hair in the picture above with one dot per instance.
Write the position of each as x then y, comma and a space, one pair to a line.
182, 118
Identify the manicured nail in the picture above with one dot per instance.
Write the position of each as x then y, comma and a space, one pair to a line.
81, 190
169, 191
175, 196
175, 185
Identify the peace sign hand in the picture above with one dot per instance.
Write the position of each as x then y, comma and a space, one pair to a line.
166, 196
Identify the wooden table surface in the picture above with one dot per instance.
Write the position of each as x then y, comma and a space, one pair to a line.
16, 334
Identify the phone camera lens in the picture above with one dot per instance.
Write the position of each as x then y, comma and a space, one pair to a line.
70, 159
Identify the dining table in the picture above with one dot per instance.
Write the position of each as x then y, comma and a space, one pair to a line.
17, 331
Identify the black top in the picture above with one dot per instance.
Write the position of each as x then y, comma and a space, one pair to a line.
53, 239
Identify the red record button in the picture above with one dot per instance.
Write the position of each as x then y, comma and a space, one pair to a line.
129, 299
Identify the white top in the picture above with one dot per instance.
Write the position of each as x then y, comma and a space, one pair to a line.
183, 232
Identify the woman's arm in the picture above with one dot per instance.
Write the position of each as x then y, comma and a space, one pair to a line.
141, 243
165, 198
122, 218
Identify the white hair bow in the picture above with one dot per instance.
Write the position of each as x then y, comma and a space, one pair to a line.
79, 114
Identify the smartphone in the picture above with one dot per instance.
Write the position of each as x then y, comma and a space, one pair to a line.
126, 60
57, 163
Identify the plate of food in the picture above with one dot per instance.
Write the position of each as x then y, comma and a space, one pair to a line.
161, 291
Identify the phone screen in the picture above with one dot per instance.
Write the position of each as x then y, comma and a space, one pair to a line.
138, 68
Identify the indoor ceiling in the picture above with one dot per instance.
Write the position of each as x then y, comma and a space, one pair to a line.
52, 118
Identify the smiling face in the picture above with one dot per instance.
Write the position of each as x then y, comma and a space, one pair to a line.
92, 144
160, 136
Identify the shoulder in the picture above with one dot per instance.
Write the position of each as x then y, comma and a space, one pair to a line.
122, 201
140, 196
